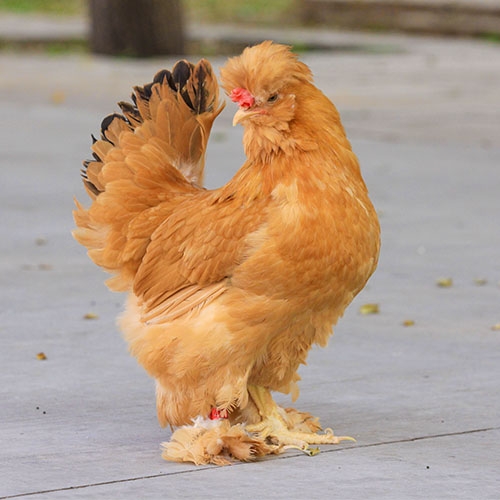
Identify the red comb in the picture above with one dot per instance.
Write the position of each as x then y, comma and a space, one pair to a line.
243, 97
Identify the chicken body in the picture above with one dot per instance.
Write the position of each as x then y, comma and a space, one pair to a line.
229, 289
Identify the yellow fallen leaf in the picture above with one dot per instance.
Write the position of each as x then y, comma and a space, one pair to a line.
496, 328
369, 309
41, 356
408, 322
480, 281
444, 282
90, 315
58, 97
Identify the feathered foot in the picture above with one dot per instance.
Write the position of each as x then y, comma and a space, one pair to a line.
288, 428
214, 442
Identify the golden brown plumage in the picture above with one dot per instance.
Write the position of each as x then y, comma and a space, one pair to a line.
229, 288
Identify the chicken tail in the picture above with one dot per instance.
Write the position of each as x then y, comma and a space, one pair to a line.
145, 156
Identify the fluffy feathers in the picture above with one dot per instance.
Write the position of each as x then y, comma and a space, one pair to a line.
228, 289
216, 442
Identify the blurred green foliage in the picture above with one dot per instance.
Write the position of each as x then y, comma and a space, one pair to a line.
243, 11
63, 7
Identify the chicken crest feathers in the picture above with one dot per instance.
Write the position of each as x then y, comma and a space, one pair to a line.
264, 68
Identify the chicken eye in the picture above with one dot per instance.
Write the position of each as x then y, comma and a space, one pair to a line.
273, 98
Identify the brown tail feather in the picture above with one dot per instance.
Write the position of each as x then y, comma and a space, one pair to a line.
191, 93
155, 147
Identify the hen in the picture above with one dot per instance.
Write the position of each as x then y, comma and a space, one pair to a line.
228, 289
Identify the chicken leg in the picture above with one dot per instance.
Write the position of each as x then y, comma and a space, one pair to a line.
288, 428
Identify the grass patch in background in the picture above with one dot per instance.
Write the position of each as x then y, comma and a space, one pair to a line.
491, 37
244, 11
53, 48
61, 7
210, 11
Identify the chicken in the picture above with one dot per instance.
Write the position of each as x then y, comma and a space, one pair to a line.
228, 289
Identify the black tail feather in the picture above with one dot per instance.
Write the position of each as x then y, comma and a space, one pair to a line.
185, 79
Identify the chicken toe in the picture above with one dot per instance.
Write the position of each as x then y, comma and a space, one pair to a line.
288, 428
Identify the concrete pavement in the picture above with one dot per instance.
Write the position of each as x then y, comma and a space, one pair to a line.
422, 400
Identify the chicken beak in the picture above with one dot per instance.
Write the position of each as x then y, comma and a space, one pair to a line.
243, 114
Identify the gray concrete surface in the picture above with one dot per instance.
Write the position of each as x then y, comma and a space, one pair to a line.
422, 401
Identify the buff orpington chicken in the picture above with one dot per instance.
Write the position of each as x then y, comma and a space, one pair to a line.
228, 289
